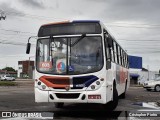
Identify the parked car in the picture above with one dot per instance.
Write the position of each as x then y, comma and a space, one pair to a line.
7, 77
153, 84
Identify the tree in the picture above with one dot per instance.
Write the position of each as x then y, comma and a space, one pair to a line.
9, 69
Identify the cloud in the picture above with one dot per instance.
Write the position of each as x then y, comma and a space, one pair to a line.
10, 11
141, 10
33, 3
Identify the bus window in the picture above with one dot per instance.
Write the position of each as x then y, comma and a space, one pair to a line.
107, 50
119, 55
112, 52
115, 52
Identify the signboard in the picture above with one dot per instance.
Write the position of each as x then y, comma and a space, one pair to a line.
135, 62
61, 65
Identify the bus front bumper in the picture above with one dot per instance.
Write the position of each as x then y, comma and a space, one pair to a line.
97, 96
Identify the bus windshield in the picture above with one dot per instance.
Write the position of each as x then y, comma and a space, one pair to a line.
69, 55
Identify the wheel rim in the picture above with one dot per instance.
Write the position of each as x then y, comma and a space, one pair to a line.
158, 88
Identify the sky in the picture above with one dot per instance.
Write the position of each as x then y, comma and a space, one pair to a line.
133, 23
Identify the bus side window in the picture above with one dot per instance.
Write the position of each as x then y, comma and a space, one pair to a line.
115, 52
122, 53
112, 52
127, 62
108, 52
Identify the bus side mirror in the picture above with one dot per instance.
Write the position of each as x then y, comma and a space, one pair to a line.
28, 48
108, 65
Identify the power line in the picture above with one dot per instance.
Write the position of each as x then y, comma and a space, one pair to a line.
16, 31
32, 16
154, 27
123, 23
12, 43
129, 40
15, 34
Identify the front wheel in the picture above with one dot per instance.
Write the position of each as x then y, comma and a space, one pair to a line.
157, 88
59, 105
110, 106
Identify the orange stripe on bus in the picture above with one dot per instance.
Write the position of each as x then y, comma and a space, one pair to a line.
67, 21
50, 81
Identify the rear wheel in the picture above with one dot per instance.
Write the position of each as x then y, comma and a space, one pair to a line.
113, 104
123, 95
157, 88
59, 105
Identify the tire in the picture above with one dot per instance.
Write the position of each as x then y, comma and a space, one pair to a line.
110, 106
157, 88
123, 95
59, 105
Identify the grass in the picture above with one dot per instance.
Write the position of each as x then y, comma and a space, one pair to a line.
7, 83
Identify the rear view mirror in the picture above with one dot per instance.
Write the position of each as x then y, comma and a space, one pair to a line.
28, 47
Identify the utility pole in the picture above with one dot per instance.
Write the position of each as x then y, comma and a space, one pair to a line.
29, 67
148, 71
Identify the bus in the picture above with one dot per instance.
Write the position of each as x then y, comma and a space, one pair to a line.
79, 62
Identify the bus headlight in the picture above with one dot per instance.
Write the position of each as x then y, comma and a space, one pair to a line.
96, 85
97, 82
93, 87
40, 85
43, 87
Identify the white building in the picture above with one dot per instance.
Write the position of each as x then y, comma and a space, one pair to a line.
138, 76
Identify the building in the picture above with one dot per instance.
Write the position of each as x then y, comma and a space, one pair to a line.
139, 76
25, 69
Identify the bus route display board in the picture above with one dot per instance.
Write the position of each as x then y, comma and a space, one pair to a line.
69, 29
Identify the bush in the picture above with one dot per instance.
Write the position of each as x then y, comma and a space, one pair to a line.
7, 83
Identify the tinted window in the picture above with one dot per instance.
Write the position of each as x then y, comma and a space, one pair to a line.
69, 29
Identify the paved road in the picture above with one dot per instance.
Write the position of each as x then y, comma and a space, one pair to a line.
21, 98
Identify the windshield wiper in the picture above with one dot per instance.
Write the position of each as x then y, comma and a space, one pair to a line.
79, 39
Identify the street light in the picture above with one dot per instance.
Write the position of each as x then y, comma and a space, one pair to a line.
2, 15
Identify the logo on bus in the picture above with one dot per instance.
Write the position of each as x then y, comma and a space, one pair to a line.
61, 66
67, 88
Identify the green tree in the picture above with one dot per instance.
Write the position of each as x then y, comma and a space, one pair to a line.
9, 69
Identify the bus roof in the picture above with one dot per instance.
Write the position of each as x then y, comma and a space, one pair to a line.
74, 21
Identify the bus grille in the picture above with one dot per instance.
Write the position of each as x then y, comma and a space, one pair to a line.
68, 96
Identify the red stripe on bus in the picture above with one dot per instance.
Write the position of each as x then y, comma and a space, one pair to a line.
55, 82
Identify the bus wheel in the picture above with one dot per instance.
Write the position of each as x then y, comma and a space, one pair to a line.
59, 105
123, 95
110, 106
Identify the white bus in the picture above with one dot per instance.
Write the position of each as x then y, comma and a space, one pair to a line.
79, 62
